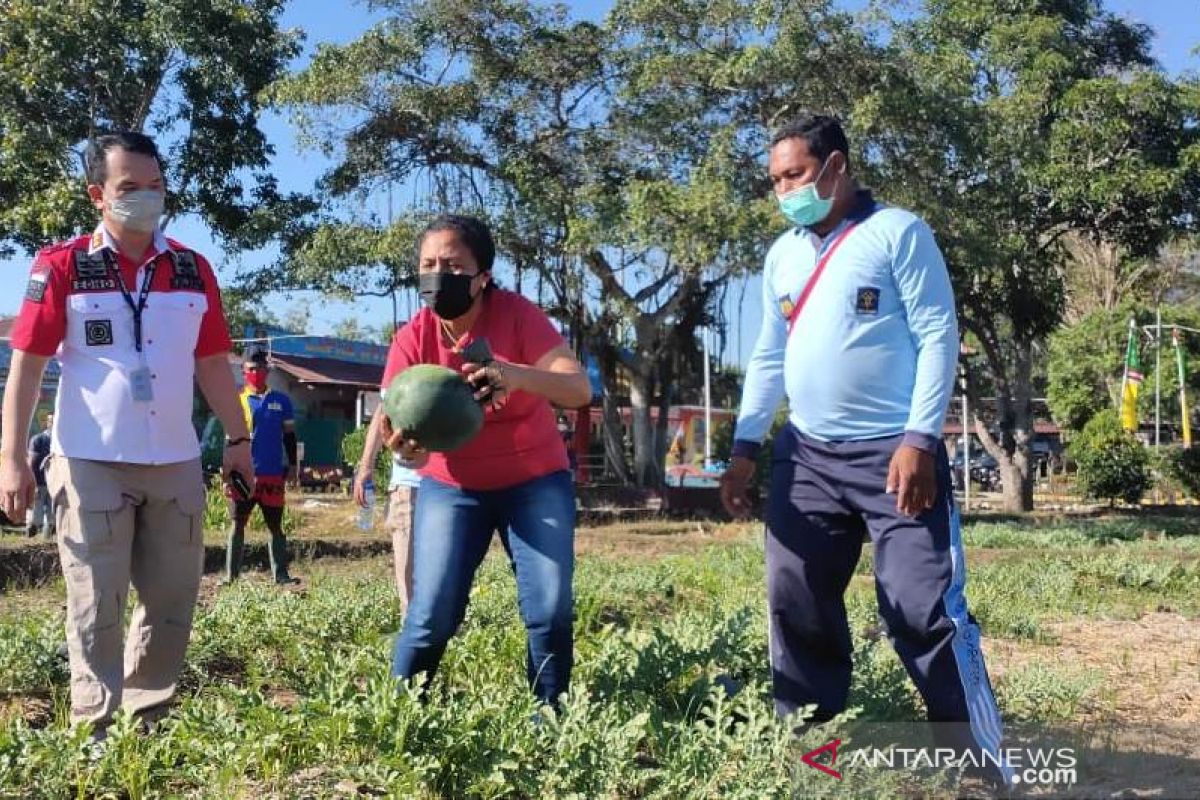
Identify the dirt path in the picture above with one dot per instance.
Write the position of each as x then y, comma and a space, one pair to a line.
1138, 733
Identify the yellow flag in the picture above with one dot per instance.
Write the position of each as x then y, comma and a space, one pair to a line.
1132, 382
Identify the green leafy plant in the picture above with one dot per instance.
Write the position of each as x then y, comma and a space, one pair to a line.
352, 450
1111, 464
1181, 466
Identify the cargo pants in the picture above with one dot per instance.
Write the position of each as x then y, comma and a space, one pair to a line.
122, 524
401, 507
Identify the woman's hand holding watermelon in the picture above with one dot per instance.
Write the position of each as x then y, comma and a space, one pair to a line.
409, 450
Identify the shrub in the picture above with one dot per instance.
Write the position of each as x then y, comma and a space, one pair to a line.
1181, 466
1112, 465
352, 450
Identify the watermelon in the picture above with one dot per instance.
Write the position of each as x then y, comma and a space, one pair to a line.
435, 406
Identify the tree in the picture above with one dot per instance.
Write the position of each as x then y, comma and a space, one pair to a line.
355, 330
1111, 464
1086, 362
1011, 126
1100, 276
343, 260
189, 73
629, 214
243, 313
298, 318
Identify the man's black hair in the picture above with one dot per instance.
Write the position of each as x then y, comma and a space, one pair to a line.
822, 134
473, 232
96, 155
257, 357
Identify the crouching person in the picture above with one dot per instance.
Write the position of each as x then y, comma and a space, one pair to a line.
513, 477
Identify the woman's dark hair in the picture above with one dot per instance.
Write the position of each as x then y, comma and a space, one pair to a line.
95, 157
822, 134
472, 231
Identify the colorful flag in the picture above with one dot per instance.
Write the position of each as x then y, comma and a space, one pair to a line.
1131, 381
1183, 405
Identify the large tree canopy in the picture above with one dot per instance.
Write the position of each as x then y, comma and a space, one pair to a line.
1011, 126
622, 164
188, 73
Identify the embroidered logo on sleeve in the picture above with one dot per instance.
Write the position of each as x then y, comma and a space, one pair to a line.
867, 300
35, 291
98, 332
786, 306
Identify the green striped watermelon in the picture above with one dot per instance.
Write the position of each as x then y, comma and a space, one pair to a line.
435, 406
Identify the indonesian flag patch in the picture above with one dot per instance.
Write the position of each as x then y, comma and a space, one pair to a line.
35, 291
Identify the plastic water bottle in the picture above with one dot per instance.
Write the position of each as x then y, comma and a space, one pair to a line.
366, 514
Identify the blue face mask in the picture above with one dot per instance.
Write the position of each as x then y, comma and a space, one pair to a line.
803, 206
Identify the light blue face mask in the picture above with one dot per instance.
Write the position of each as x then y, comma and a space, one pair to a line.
803, 206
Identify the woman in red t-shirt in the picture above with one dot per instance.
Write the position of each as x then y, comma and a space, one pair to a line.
513, 477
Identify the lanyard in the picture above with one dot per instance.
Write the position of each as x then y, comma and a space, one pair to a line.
816, 275
140, 306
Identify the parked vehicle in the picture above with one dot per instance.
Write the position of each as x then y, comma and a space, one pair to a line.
985, 471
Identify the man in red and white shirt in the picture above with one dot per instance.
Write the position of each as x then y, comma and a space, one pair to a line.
133, 317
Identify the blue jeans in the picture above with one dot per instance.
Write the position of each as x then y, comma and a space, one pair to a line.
451, 534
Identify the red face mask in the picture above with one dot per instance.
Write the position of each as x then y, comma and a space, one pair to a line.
257, 379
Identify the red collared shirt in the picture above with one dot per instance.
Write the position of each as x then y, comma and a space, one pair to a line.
74, 307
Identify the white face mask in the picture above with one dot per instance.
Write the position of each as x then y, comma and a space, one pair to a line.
138, 211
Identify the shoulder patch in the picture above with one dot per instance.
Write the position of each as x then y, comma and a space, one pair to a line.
786, 306
186, 272
35, 291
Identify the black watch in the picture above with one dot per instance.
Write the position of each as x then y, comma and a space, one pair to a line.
231, 442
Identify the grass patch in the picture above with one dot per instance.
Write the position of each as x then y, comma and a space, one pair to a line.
287, 694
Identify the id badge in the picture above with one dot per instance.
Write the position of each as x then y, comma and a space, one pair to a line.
143, 388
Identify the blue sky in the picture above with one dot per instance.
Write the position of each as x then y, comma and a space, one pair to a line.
1176, 22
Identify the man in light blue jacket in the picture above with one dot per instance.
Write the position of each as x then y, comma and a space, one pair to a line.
859, 331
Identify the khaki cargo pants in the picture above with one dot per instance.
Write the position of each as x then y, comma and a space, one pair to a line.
120, 524
401, 506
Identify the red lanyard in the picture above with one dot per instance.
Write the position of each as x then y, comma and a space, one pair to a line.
816, 275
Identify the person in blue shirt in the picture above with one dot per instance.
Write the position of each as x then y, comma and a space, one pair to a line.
859, 332
271, 421
43, 506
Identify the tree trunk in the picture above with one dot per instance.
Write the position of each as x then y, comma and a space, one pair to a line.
646, 470
614, 440
1013, 451
613, 431
1017, 482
